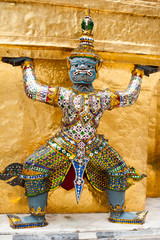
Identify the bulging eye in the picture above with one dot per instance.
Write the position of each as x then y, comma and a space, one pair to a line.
76, 65
89, 66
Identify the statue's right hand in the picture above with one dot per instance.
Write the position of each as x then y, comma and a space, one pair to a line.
16, 61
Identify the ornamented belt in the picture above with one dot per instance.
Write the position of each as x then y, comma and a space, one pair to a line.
67, 145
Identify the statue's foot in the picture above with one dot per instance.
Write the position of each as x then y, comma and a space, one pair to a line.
128, 218
33, 219
26, 222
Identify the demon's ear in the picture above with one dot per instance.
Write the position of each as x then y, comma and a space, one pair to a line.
68, 62
99, 65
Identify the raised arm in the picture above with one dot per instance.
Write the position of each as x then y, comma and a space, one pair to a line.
129, 96
33, 88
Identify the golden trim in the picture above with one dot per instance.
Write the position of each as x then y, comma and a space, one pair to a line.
53, 96
27, 64
15, 220
114, 101
117, 208
138, 72
39, 212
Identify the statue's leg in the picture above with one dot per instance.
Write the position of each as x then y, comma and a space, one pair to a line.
117, 185
43, 171
116, 203
36, 188
36, 218
37, 205
107, 171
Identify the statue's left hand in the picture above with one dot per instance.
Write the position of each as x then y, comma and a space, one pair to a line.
148, 69
15, 61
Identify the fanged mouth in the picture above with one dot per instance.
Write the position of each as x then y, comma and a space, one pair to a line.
87, 72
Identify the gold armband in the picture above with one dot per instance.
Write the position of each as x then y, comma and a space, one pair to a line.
27, 64
117, 208
53, 96
114, 101
138, 72
39, 212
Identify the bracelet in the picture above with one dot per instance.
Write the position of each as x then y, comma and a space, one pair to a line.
137, 72
27, 64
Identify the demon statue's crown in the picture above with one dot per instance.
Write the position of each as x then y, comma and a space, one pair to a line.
86, 48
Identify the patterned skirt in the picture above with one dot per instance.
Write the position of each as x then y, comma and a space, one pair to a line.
48, 167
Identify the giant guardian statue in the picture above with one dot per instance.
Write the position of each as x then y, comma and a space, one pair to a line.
77, 151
